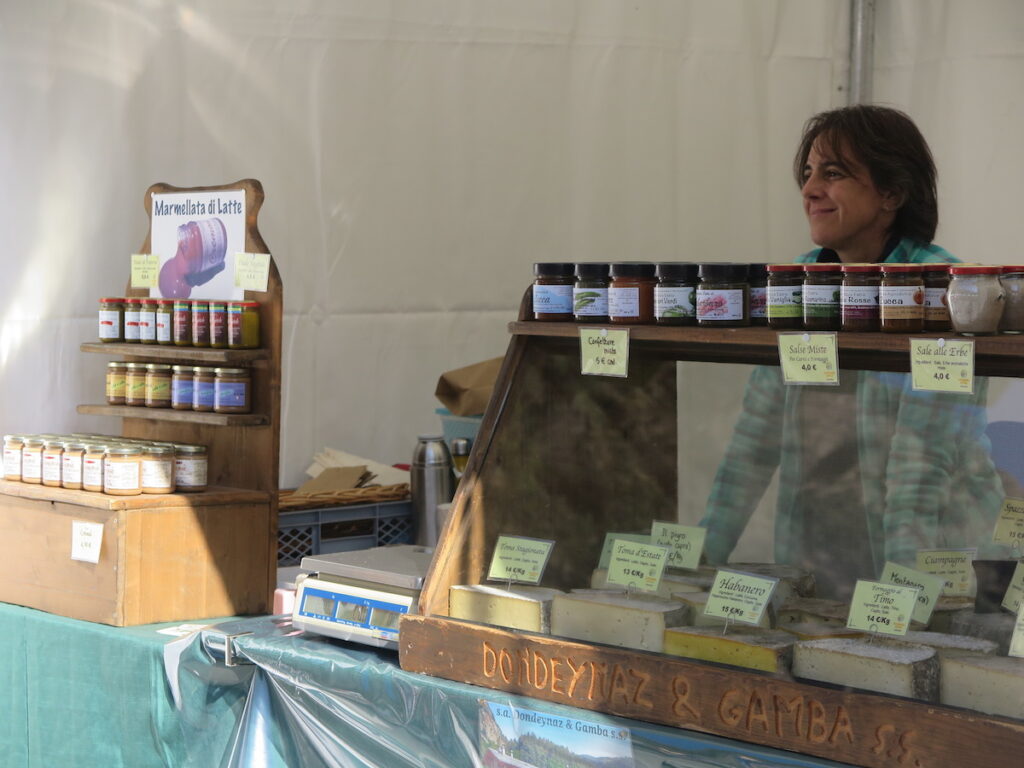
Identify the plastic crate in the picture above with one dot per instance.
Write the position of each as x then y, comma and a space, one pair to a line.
458, 426
342, 529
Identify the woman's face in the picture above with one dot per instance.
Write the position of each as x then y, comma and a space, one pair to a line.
844, 209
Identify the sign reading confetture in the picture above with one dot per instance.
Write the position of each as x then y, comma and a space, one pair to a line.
604, 352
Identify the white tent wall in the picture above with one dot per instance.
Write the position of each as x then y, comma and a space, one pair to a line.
419, 156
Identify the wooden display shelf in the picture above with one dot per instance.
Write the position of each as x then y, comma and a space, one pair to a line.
170, 414
185, 354
213, 496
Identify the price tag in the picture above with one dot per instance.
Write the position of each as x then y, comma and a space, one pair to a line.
637, 565
929, 588
809, 358
685, 543
954, 565
1010, 524
252, 271
145, 270
882, 608
1017, 639
609, 542
519, 559
1015, 592
86, 541
942, 365
604, 352
738, 596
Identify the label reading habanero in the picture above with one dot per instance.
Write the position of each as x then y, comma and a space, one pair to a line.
785, 301
547, 300
724, 304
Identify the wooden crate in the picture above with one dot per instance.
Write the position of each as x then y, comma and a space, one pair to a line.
163, 558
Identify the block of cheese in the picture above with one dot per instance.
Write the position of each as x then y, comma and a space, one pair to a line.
630, 621
768, 650
520, 607
793, 581
816, 630
997, 627
676, 581
696, 602
814, 609
990, 684
947, 645
945, 607
900, 669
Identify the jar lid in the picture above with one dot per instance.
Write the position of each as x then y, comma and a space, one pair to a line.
117, 365
677, 270
198, 303
723, 272
231, 371
256, 303
150, 301
158, 367
165, 301
182, 369
113, 299
218, 304
12, 438
974, 269
757, 271
159, 450
135, 365
34, 442
633, 269
95, 448
124, 450
202, 370
1009, 269
74, 446
554, 268
593, 269
822, 267
772, 268
901, 268
189, 449
870, 268
54, 444
936, 266
132, 300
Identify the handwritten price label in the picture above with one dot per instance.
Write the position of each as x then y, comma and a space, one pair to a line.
685, 542
883, 608
739, 596
519, 559
252, 271
637, 565
604, 352
929, 587
1010, 524
942, 365
145, 270
809, 358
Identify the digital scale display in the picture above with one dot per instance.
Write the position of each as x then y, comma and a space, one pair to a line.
352, 610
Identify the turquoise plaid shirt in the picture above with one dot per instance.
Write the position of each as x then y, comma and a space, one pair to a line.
926, 472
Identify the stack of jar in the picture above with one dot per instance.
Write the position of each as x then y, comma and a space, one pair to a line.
182, 387
180, 322
117, 466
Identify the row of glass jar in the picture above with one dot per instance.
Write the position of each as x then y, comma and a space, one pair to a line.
115, 466
903, 298
180, 322
182, 387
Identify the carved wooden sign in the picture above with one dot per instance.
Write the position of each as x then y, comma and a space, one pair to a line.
858, 728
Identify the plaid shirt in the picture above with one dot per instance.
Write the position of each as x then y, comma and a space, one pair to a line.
926, 473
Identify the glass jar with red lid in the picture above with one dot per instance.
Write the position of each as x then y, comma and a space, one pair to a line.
1012, 280
901, 298
785, 296
858, 297
975, 298
936, 282
822, 283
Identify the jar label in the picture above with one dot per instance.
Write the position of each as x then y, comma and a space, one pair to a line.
12, 462
935, 307
590, 302
623, 302
231, 394
163, 327
182, 325
200, 327
147, 325
92, 473
785, 301
675, 301
158, 388
202, 394
110, 324
723, 304
71, 468
51, 467
181, 391
121, 475
157, 473
218, 326
859, 302
901, 302
131, 325
115, 385
32, 464
135, 387
191, 473
758, 302
547, 300
821, 295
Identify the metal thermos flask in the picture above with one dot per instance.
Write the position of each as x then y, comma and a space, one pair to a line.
432, 482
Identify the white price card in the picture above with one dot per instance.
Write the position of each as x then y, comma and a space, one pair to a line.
738, 596
86, 541
929, 587
252, 271
1017, 639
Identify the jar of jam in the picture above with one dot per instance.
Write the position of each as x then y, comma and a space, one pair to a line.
675, 295
111, 319
232, 390
12, 457
116, 383
92, 467
32, 460
822, 283
122, 471
200, 323
218, 324
165, 321
71, 466
202, 388
975, 298
757, 277
182, 333
552, 291
590, 292
901, 298
158, 385
135, 384
858, 299
936, 311
191, 468
147, 321
1012, 280
131, 320
785, 296
181, 387
53, 450
723, 295
157, 471
244, 324
631, 293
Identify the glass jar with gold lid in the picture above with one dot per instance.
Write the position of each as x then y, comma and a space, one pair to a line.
12, 457
158, 385
53, 450
122, 471
191, 468
32, 460
158, 469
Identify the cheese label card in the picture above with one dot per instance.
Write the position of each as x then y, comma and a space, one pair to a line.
1017, 639
604, 352
1015, 592
882, 608
954, 565
145, 270
86, 541
685, 542
519, 559
738, 596
252, 271
637, 565
942, 365
929, 586
809, 358
609, 542
1010, 524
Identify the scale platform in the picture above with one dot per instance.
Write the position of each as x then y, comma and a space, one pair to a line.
359, 596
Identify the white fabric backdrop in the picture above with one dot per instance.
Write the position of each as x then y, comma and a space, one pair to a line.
419, 155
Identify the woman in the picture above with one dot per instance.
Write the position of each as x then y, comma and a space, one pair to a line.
869, 471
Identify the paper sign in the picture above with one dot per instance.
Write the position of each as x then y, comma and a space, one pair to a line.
685, 543
145, 270
86, 541
954, 565
1017, 640
737, 596
604, 352
609, 542
519, 559
882, 608
1010, 524
1015, 592
637, 565
181, 630
942, 365
929, 588
809, 358
252, 271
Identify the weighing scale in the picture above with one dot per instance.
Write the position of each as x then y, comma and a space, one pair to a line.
359, 596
